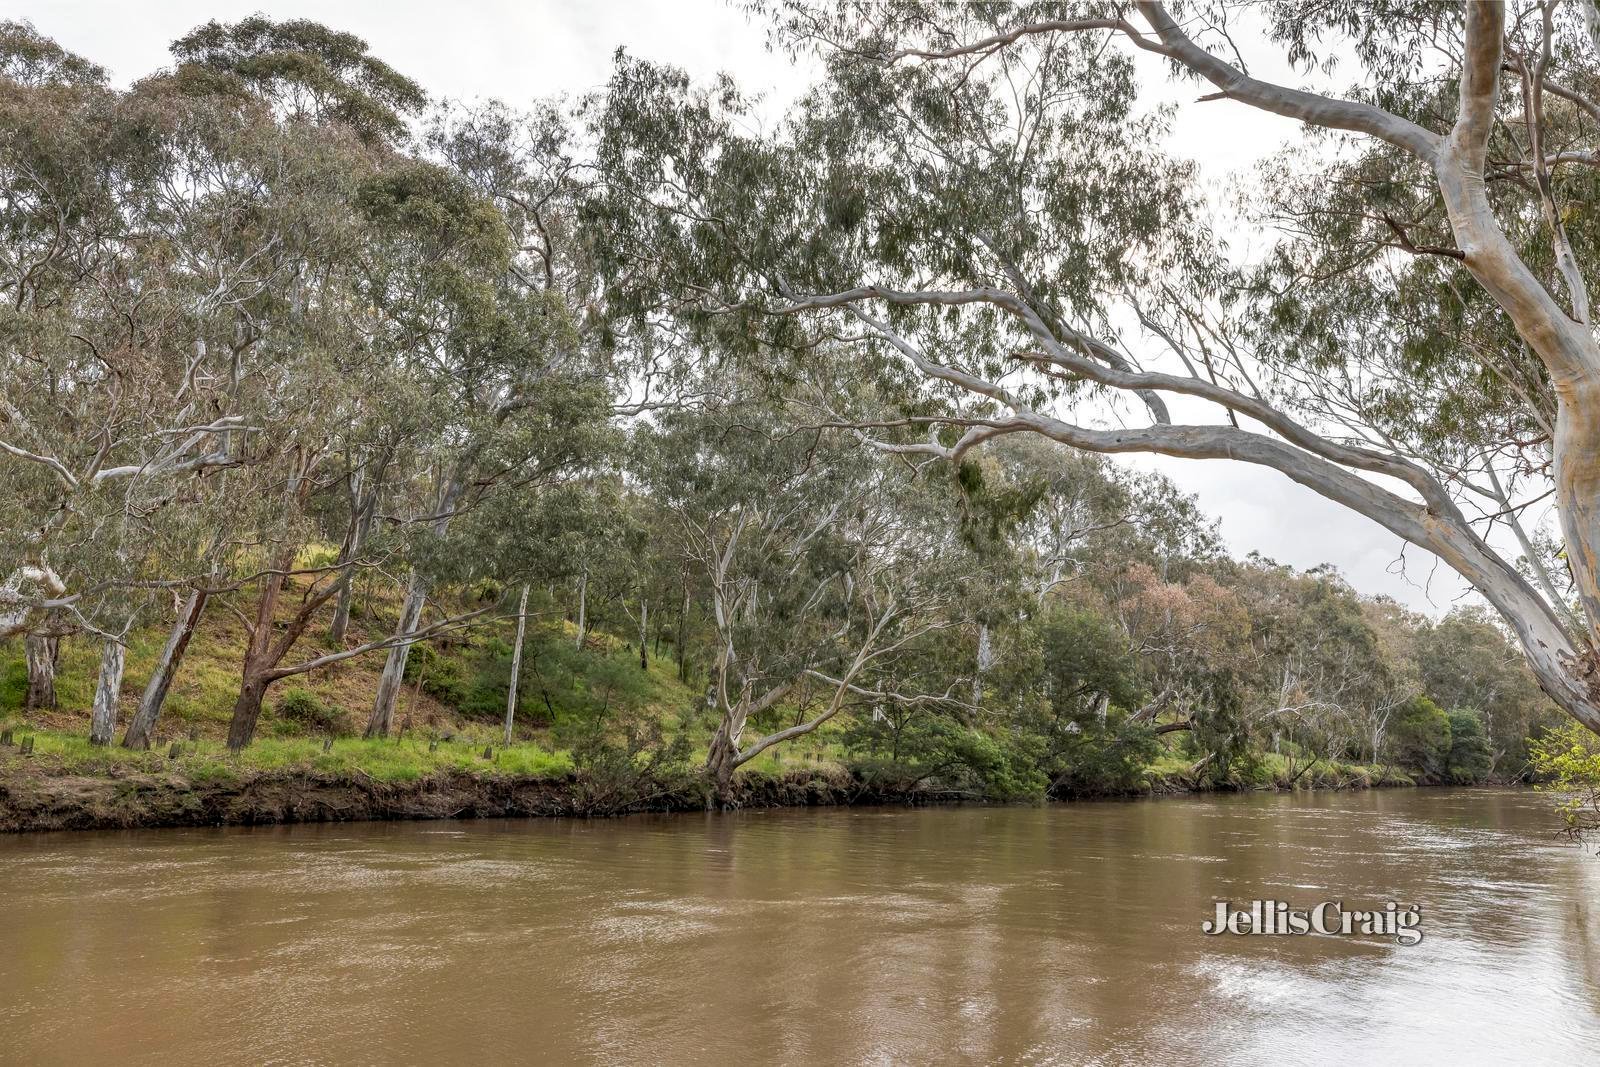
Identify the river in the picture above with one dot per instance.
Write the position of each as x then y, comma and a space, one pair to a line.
1068, 934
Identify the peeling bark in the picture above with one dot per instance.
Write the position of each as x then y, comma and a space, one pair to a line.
142, 727
113, 657
394, 667
43, 652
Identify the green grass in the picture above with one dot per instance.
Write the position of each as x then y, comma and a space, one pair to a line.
404, 760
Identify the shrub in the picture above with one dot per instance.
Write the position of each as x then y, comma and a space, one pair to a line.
306, 709
1470, 759
1419, 738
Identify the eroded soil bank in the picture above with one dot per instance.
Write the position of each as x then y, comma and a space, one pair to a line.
31, 799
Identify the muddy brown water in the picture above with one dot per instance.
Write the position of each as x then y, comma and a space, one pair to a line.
1068, 934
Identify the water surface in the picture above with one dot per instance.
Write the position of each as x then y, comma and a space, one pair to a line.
1060, 935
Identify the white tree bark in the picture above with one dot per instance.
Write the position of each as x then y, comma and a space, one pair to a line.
142, 727
41, 651
113, 657
516, 661
394, 666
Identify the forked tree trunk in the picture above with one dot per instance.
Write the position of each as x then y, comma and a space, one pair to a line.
722, 758
258, 653
142, 728
104, 721
43, 651
516, 662
394, 667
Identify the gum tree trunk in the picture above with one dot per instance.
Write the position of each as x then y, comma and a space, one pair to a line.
365, 505
246, 711
104, 722
43, 652
516, 662
583, 607
258, 653
394, 667
722, 759
142, 728
644, 626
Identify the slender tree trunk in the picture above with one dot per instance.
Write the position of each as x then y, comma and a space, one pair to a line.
43, 652
985, 660
516, 662
113, 657
683, 638
583, 606
340, 627
644, 624
142, 728
394, 667
365, 508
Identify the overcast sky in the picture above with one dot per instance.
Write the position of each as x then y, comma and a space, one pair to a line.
517, 51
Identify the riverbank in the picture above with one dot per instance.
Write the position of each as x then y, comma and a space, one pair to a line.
50, 793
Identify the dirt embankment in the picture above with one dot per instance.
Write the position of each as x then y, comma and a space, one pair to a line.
33, 798
31, 801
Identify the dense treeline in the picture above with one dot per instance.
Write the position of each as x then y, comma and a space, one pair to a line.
287, 345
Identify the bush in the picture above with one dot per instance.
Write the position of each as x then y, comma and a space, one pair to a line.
1566, 763
13, 685
1419, 738
305, 709
442, 676
1470, 759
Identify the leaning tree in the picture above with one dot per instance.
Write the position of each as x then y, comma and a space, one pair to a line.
977, 200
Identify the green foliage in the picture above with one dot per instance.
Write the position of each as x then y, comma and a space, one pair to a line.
306, 66
940, 752
1566, 764
1469, 759
13, 685
307, 711
627, 758
1419, 737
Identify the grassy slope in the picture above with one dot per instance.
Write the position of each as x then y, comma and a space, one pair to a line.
442, 730
557, 683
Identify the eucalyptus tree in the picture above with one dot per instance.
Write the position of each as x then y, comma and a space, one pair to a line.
825, 569
115, 414
482, 293
266, 132
976, 197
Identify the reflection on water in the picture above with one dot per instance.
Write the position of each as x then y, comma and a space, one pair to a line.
1068, 934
